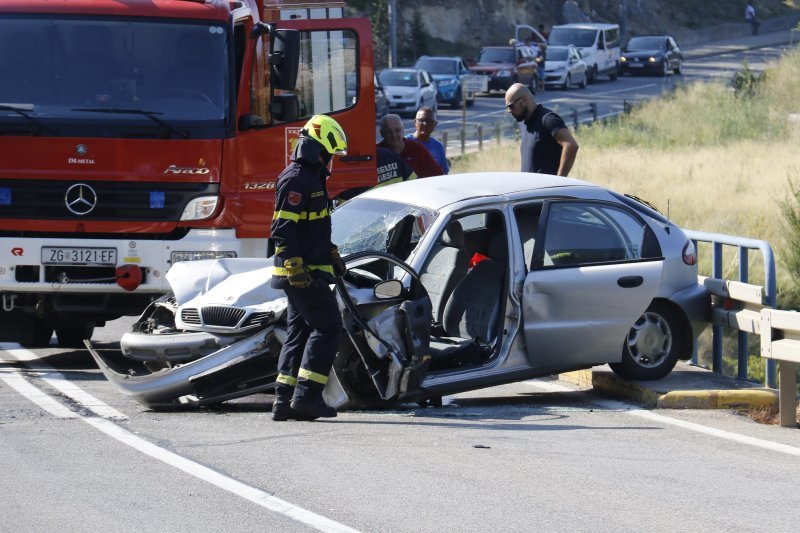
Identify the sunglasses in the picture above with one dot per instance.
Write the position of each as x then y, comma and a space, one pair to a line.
425, 121
509, 106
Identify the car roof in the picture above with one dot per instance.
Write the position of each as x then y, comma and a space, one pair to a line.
406, 69
588, 26
452, 58
440, 191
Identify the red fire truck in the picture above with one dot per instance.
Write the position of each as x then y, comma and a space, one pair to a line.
138, 133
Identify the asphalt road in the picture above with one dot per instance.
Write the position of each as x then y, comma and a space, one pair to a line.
79, 456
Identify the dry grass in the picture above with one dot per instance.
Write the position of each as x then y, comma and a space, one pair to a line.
769, 415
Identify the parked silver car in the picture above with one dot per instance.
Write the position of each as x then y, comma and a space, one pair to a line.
565, 67
454, 283
408, 89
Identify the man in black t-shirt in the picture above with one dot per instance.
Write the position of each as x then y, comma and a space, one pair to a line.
547, 145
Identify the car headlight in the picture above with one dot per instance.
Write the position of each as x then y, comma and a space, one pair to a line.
503, 74
623, 59
653, 59
200, 208
199, 255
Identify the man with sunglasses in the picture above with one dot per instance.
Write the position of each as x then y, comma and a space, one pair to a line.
425, 124
547, 145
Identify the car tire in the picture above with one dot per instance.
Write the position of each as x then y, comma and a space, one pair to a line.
458, 100
71, 334
593, 75
651, 347
614, 74
678, 68
567, 82
582, 84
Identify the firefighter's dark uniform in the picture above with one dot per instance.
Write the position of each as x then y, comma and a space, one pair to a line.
301, 228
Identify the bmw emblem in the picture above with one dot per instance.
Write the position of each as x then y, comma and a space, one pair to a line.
81, 149
80, 199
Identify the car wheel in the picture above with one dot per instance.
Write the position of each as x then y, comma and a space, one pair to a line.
651, 347
458, 99
593, 74
614, 74
72, 334
567, 82
678, 67
582, 84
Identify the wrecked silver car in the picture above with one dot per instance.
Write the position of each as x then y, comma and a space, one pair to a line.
453, 283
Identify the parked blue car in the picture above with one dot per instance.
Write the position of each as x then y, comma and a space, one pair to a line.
447, 73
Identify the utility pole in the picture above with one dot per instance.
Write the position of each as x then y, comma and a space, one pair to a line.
392, 33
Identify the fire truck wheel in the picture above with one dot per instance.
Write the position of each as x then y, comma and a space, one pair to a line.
71, 335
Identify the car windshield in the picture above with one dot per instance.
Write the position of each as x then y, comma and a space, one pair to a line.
106, 76
557, 54
438, 66
497, 55
379, 225
578, 37
646, 43
398, 78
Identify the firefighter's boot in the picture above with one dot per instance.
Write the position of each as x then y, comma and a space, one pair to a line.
308, 401
281, 408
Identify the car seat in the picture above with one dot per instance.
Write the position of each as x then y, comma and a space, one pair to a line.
447, 265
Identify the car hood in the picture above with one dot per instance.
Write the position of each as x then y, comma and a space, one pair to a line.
643, 53
390, 90
554, 65
443, 77
492, 67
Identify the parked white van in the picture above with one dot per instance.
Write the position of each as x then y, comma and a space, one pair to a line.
599, 45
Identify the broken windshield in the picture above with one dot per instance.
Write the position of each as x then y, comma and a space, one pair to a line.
380, 225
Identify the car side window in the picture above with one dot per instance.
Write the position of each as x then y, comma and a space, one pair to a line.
579, 234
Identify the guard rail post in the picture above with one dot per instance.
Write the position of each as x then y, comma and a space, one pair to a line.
716, 331
593, 105
463, 137
444, 141
780, 341
497, 134
480, 137
742, 361
575, 117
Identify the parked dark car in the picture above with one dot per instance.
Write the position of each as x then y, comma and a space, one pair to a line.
506, 65
651, 54
447, 73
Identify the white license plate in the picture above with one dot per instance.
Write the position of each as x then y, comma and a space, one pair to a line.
79, 256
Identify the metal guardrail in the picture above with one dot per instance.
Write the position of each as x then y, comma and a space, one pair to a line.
476, 133
750, 309
747, 300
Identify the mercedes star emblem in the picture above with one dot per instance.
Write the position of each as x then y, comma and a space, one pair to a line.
81, 149
81, 199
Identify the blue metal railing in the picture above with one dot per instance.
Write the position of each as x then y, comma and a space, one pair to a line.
718, 240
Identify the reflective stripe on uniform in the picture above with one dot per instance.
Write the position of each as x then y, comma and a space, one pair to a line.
314, 215
279, 249
312, 376
282, 271
286, 215
286, 380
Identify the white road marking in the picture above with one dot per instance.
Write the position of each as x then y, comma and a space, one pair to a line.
58, 381
257, 496
17, 381
655, 417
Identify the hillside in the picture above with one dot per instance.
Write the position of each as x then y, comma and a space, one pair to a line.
459, 27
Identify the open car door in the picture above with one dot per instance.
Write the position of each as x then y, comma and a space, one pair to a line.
387, 316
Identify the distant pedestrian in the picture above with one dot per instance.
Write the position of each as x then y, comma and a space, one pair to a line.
412, 152
541, 60
425, 123
750, 16
543, 33
547, 145
392, 168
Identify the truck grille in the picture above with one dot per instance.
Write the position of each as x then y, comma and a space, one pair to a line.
226, 317
116, 200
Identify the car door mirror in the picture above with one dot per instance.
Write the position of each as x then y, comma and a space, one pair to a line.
388, 290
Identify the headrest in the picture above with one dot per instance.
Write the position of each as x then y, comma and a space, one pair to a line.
498, 247
453, 235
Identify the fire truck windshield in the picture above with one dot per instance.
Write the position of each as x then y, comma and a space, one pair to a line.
60, 72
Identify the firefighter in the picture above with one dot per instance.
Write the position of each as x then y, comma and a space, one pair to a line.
305, 265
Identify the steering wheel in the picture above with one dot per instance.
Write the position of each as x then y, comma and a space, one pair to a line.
197, 95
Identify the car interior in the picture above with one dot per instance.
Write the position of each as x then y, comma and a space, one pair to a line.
465, 276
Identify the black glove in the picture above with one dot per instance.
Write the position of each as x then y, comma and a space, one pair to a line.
296, 273
339, 267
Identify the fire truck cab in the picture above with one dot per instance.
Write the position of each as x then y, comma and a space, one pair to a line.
135, 134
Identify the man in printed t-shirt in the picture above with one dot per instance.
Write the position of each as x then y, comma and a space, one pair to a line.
392, 168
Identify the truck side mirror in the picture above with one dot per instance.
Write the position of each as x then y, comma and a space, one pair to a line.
284, 59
